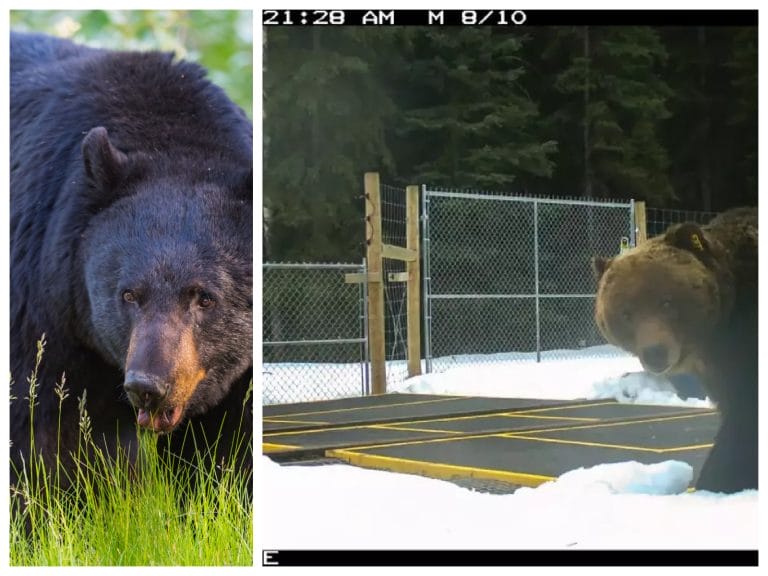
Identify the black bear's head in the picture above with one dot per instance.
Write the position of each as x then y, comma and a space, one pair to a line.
168, 263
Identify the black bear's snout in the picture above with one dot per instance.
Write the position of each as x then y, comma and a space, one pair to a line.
655, 358
144, 390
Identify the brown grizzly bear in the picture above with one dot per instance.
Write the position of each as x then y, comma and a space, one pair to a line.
686, 302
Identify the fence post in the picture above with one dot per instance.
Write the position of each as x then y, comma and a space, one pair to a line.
365, 364
641, 227
425, 288
375, 283
536, 275
414, 279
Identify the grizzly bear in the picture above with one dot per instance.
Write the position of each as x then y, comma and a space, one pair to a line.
130, 250
686, 302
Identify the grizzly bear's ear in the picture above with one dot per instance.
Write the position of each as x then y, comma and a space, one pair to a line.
600, 265
688, 236
104, 164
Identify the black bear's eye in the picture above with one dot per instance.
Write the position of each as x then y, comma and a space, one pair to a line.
129, 296
205, 300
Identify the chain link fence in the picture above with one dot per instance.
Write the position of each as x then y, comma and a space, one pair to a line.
509, 277
657, 220
314, 333
504, 277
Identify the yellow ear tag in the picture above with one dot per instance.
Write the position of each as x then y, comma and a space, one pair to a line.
696, 241
624, 245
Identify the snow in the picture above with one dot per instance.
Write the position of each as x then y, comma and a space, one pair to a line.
626, 505
592, 373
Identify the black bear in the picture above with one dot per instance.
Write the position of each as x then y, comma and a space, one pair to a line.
686, 302
131, 250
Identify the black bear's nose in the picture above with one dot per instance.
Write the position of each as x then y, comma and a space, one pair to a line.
654, 358
144, 390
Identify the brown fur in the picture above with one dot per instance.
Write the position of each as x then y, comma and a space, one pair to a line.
686, 302
167, 348
682, 284
188, 373
659, 295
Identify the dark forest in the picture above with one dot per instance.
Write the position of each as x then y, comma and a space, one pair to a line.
667, 115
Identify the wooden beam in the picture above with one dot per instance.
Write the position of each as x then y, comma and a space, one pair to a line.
399, 253
397, 277
413, 296
359, 278
376, 331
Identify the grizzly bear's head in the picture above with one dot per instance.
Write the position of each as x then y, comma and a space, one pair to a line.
662, 300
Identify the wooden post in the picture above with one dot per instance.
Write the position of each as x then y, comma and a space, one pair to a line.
375, 283
414, 281
641, 230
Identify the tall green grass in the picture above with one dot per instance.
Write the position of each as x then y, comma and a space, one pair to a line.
117, 513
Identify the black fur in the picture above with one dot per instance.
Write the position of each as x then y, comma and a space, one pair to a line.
128, 170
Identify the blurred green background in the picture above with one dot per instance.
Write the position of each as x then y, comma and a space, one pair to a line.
220, 40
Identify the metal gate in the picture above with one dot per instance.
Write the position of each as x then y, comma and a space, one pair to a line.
315, 333
511, 275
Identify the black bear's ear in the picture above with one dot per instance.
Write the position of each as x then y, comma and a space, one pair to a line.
104, 164
688, 236
600, 265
